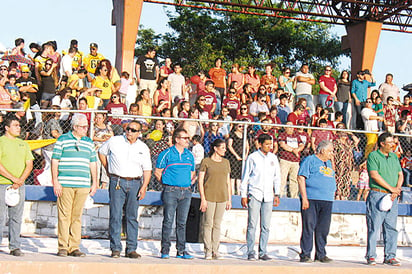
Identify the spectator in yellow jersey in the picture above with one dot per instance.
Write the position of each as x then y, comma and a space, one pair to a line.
91, 61
103, 82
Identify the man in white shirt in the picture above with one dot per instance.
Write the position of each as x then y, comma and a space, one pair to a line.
370, 120
389, 89
304, 82
177, 82
66, 67
128, 164
260, 189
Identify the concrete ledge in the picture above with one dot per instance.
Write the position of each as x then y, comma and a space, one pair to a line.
42, 193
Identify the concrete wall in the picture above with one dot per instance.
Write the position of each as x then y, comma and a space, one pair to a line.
40, 218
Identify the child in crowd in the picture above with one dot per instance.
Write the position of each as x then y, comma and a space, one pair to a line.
363, 183
406, 164
225, 127
338, 118
378, 108
13, 89
125, 82
198, 153
390, 115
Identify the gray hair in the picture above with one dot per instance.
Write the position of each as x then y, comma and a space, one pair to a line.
77, 118
322, 146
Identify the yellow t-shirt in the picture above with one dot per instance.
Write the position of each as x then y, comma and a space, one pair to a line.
40, 61
74, 77
90, 62
105, 85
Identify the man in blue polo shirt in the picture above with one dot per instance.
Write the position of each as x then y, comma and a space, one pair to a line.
175, 168
360, 93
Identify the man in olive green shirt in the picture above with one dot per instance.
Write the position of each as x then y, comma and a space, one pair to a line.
16, 163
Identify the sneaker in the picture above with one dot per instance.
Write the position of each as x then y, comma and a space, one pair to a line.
371, 261
115, 254
164, 256
251, 257
184, 255
62, 253
17, 252
133, 255
325, 259
392, 262
265, 258
208, 257
216, 256
306, 259
77, 253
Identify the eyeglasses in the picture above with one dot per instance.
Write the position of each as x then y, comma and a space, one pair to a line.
24, 72
369, 101
48, 64
83, 127
114, 97
184, 138
132, 129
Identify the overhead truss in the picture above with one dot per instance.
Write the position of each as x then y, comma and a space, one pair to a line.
396, 15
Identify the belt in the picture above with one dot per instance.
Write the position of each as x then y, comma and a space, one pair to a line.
179, 187
380, 190
127, 178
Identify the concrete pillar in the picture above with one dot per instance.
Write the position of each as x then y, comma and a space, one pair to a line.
362, 39
126, 18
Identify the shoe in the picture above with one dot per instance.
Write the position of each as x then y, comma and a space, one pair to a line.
251, 257
115, 254
306, 259
17, 252
371, 261
208, 257
325, 259
77, 253
216, 256
184, 255
133, 255
62, 253
164, 256
265, 258
392, 262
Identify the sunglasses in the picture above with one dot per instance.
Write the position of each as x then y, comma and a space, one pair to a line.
77, 145
25, 72
369, 102
232, 92
287, 72
243, 109
114, 97
132, 129
48, 64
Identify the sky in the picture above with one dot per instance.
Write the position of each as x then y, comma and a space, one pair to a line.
90, 21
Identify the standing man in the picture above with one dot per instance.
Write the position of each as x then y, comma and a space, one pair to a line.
386, 177
147, 71
388, 88
73, 168
90, 63
127, 161
16, 163
66, 64
304, 82
175, 168
317, 188
360, 92
177, 83
260, 189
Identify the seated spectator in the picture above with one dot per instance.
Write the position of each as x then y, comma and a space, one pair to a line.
209, 94
262, 90
62, 99
405, 106
144, 102
12, 89
320, 135
316, 115
338, 118
324, 114
258, 106
294, 116
390, 115
232, 103
266, 129
211, 135
246, 95
162, 93
102, 133
184, 109
304, 116
283, 108
244, 114
200, 105
406, 164
370, 120
125, 83
115, 107
192, 127
225, 128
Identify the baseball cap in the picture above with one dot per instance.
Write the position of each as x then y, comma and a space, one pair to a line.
93, 45
25, 69
386, 203
12, 196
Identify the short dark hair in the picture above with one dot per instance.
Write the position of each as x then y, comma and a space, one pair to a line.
263, 137
382, 138
298, 107
283, 96
136, 122
404, 113
82, 70
338, 114
196, 137
208, 82
9, 119
322, 121
176, 134
83, 99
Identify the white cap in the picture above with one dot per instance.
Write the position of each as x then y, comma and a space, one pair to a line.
12, 196
89, 203
386, 203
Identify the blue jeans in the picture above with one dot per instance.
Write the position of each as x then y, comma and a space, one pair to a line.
316, 219
342, 107
126, 195
176, 200
264, 210
375, 219
322, 99
15, 217
309, 100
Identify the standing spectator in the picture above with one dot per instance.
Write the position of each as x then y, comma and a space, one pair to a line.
71, 183
386, 178
145, 103
125, 83
252, 78
317, 188
304, 116
406, 164
286, 83
283, 108
102, 81
175, 168
370, 119
215, 196
19, 49
16, 162
360, 92
49, 83
218, 76
363, 183
129, 178
238, 77
211, 135
289, 154
177, 83
389, 89
66, 67
389, 115
244, 114
266, 129
343, 97
91, 61
246, 95
166, 69
162, 93
269, 81
328, 86
260, 191
102, 133
147, 71
303, 83
77, 58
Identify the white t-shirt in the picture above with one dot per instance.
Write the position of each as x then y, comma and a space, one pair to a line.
198, 153
66, 65
177, 81
65, 103
303, 87
370, 125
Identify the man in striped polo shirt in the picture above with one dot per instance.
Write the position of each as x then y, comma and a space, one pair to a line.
73, 168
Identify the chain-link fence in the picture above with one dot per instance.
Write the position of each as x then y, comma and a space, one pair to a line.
291, 145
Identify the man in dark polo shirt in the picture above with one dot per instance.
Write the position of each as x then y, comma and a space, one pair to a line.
175, 168
385, 177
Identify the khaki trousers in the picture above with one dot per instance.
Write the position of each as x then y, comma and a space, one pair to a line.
291, 169
69, 209
212, 219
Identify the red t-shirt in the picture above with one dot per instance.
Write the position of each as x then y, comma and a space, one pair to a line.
233, 105
275, 120
120, 109
402, 108
271, 134
292, 117
210, 99
329, 82
292, 140
321, 135
390, 116
218, 75
249, 118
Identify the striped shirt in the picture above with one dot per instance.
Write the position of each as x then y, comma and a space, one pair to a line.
74, 158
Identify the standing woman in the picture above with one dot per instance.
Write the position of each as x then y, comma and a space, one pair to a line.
48, 83
286, 82
215, 196
238, 77
103, 82
252, 78
343, 97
